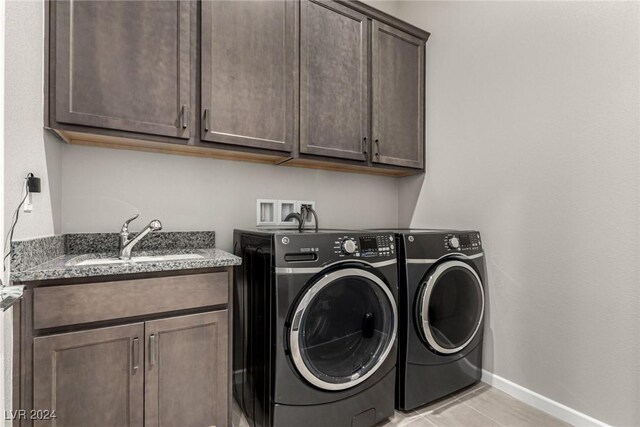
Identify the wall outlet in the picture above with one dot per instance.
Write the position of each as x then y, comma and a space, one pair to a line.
266, 212
33, 186
28, 204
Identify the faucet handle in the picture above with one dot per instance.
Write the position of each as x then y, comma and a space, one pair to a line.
125, 226
155, 225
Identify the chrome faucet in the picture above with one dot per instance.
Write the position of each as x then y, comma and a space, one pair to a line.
127, 244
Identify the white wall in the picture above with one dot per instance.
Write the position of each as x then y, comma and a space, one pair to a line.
29, 147
4, 384
103, 187
388, 6
533, 137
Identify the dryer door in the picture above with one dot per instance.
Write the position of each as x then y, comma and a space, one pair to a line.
343, 329
450, 307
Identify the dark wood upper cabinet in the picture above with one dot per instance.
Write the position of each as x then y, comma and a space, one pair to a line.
398, 97
186, 371
249, 86
334, 85
123, 65
93, 377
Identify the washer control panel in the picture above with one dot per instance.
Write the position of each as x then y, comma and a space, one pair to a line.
364, 246
462, 242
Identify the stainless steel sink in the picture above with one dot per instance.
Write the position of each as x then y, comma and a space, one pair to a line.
148, 258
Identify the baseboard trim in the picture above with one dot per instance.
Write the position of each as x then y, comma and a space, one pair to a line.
540, 402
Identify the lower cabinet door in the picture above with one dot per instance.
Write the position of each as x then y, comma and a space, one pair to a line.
187, 371
90, 378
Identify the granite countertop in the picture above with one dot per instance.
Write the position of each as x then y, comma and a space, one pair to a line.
65, 267
63, 263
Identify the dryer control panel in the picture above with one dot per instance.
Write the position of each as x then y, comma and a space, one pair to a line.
364, 246
462, 241
433, 244
311, 249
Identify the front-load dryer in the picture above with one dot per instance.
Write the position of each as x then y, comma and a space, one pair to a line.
315, 322
442, 278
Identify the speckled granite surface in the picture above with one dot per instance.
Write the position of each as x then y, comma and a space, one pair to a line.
26, 254
46, 259
66, 266
83, 243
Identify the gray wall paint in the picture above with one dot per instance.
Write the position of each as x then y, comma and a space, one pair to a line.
5, 343
392, 7
533, 138
102, 187
29, 147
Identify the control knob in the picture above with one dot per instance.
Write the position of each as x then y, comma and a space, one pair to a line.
454, 243
348, 246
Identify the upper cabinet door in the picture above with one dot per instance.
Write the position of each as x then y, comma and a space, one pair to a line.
334, 86
249, 82
398, 97
123, 65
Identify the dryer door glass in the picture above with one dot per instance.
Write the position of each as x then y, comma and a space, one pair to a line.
343, 329
451, 307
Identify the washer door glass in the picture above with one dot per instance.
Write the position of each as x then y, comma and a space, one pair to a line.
451, 307
343, 329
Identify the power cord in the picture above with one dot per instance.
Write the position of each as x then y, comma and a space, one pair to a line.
297, 217
302, 217
315, 215
15, 216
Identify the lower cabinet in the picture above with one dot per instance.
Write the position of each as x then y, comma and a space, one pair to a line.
169, 372
186, 371
90, 378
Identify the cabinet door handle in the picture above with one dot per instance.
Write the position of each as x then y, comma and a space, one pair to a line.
136, 354
206, 120
364, 145
152, 350
377, 141
183, 117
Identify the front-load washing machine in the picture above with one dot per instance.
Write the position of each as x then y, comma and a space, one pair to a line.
442, 278
314, 327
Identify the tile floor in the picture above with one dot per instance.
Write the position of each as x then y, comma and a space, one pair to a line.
477, 406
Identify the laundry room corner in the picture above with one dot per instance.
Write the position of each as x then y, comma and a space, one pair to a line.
533, 138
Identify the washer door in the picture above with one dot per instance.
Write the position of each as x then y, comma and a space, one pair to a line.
343, 329
450, 307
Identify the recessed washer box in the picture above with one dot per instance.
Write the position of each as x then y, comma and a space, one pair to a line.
266, 212
310, 219
272, 212
285, 207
